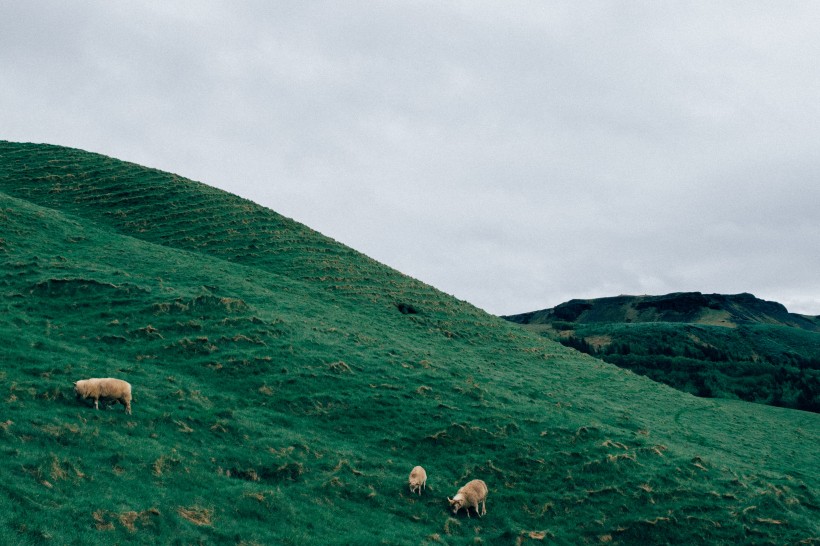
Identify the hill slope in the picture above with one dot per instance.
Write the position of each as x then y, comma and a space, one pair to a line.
285, 385
713, 345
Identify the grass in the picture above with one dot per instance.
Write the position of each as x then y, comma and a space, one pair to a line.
285, 386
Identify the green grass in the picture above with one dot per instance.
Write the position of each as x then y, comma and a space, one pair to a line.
284, 389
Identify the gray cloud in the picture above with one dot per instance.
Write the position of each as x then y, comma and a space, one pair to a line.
515, 155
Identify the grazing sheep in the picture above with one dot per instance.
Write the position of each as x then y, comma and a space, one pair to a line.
106, 388
470, 495
418, 479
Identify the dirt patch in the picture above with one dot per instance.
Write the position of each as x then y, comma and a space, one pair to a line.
104, 520
197, 515
717, 318
598, 342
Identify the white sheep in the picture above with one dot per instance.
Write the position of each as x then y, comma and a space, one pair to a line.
106, 388
470, 495
418, 479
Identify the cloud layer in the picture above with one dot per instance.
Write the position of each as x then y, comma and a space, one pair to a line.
513, 154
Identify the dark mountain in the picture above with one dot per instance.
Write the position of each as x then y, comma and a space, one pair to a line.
711, 345
689, 307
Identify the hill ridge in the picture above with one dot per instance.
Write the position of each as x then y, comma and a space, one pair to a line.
691, 307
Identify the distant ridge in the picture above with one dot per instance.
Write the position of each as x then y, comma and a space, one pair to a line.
690, 307
711, 345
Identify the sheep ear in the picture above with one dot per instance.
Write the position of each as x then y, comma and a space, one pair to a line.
450, 500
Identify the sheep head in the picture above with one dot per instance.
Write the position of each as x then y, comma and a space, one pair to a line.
456, 503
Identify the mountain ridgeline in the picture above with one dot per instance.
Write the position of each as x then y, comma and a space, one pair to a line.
285, 385
712, 345
688, 307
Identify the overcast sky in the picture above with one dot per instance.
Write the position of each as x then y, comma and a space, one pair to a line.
515, 154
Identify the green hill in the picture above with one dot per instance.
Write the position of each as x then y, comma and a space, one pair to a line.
285, 386
712, 345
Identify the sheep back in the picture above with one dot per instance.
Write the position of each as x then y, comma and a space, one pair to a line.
474, 491
105, 387
417, 479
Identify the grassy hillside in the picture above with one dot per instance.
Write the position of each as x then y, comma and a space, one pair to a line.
285, 386
712, 345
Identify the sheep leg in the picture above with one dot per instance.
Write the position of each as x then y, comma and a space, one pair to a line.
96, 403
484, 507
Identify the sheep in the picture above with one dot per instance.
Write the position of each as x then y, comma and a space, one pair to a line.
418, 479
106, 388
470, 495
